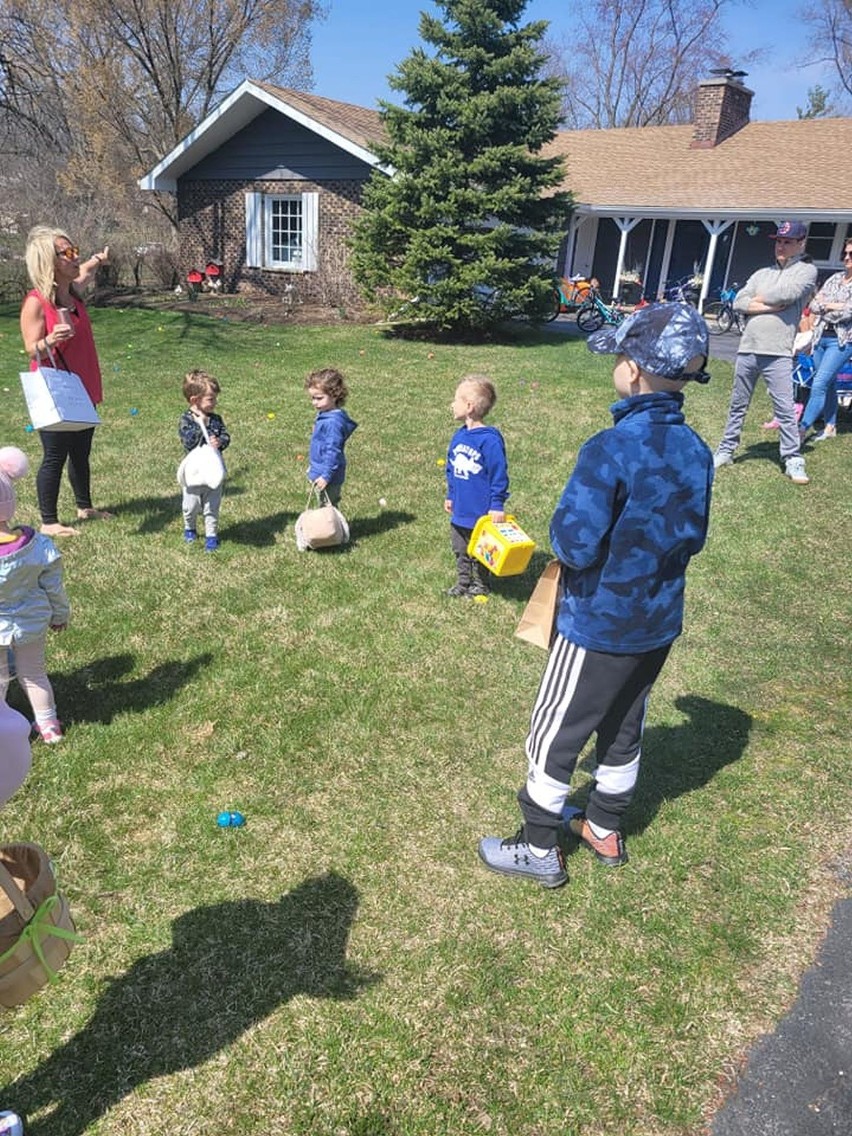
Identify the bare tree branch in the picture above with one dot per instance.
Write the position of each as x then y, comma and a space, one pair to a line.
637, 62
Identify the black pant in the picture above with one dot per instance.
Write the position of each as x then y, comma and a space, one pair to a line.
469, 571
584, 692
59, 446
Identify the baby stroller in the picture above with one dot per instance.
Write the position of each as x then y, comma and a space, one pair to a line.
803, 376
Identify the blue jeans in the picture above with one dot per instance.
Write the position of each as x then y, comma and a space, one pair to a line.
829, 357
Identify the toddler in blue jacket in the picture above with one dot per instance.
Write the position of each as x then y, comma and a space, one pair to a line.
477, 478
634, 511
328, 392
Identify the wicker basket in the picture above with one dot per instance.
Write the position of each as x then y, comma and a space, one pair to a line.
36, 930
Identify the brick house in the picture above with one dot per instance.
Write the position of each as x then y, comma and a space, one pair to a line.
270, 182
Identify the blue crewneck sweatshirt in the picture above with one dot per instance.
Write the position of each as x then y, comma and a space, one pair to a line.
634, 511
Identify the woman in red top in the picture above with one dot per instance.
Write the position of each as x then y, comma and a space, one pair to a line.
54, 317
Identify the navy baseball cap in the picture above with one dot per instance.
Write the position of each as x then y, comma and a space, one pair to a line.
790, 231
661, 338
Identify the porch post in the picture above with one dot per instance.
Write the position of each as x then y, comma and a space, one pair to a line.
574, 225
625, 224
714, 228
667, 257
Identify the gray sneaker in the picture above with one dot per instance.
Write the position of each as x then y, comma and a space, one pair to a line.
722, 457
512, 857
795, 470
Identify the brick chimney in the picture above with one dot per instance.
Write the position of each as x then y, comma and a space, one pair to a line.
721, 109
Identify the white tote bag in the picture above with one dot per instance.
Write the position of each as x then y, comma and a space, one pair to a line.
202, 468
57, 400
321, 525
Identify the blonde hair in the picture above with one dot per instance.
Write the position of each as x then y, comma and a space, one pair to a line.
41, 260
484, 393
198, 383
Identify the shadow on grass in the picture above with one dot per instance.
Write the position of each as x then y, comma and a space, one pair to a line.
230, 966
363, 527
94, 693
680, 759
159, 513
760, 451
520, 587
258, 533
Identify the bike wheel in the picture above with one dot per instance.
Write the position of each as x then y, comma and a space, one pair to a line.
556, 300
727, 318
714, 314
589, 317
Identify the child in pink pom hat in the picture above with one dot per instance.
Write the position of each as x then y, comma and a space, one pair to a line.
32, 599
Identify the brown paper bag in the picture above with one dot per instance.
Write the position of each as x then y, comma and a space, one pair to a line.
539, 619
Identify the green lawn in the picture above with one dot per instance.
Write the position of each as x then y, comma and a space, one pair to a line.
344, 965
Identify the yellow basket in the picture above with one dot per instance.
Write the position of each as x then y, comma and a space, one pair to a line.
502, 546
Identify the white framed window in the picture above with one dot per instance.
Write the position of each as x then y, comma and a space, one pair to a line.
282, 231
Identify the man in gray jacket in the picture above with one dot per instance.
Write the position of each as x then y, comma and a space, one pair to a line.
773, 299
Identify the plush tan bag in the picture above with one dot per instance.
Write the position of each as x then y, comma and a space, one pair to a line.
538, 622
320, 525
36, 929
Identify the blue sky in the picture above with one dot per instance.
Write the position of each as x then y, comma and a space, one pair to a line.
361, 41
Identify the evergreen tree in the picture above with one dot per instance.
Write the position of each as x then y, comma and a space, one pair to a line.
466, 223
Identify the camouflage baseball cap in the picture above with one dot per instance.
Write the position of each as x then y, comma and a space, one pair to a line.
661, 338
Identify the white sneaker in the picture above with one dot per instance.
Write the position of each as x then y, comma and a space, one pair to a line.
795, 470
722, 457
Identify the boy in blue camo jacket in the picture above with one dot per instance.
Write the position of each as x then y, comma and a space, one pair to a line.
634, 511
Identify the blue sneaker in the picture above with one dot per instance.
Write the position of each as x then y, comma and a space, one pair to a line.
512, 857
189, 535
211, 544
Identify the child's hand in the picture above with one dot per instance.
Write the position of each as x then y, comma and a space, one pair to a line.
320, 483
214, 442
448, 506
497, 516
58, 626
198, 415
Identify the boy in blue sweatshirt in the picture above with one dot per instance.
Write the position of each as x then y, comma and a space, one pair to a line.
477, 478
634, 511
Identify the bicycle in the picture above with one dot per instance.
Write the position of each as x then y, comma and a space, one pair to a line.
721, 315
569, 295
593, 313
684, 291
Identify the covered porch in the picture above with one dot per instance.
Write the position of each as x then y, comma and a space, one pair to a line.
648, 252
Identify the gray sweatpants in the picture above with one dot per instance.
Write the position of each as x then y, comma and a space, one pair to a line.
199, 499
777, 370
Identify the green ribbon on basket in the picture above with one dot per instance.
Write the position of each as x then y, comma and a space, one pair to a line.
38, 928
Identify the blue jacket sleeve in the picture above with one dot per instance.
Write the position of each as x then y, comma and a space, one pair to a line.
581, 524
498, 474
331, 455
216, 429
189, 431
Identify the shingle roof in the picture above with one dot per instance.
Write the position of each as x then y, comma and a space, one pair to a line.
764, 166
360, 125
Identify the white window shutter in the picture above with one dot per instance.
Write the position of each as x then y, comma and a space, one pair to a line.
254, 230
310, 231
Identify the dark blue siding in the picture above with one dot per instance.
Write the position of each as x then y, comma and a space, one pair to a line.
274, 147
